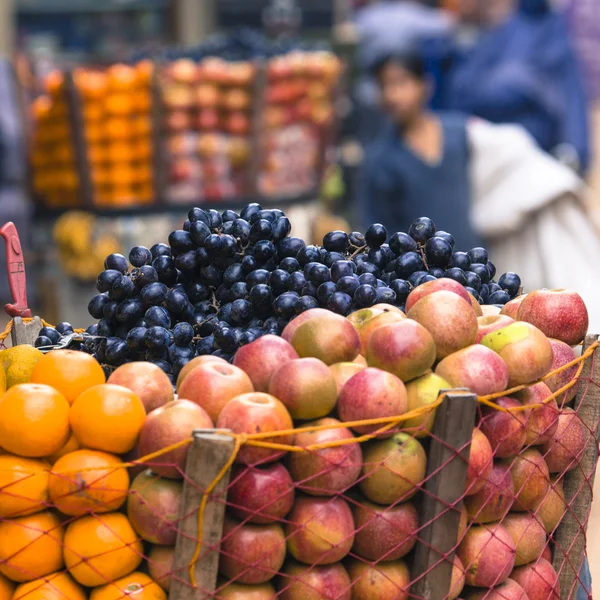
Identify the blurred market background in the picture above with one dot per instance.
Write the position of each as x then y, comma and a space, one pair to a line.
117, 116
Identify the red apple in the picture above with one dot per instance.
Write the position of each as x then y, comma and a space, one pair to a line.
560, 314
208, 119
525, 349
562, 354
160, 565
405, 349
487, 324
384, 533
260, 494
368, 320
328, 471
385, 581
261, 358
531, 478
239, 591
257, 413
493, 501
383, 307
540, 422
511, 308
251, 553
477, 368
147, 381
302, 582
436, 286
170, 424
528, 536
505, 430
306, 387
371, 394
564, 450
291, 327
196, 362
553, 507
183, 70
449, 319
213, 384
490, 310
539, 580
547, 554
329, 338
420, 392
393, 469
488, 555
342, 372
481, 461
457, 583
319, 531
477, 309
509, 590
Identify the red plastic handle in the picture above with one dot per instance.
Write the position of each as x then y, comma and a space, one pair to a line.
16, 272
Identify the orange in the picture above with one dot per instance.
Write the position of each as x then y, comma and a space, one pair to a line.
145, 70
54, 82
35, 420
23, 485
31, 546
120, 105
121, 78
100, 549
88, 481
6, 588
108, 417
118, 128
95, 133
92, 85
71, 445
137, 585
58, 586
68, 371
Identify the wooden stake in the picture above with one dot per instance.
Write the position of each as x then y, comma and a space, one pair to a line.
446, 479
578, 483
208, 454
25, 333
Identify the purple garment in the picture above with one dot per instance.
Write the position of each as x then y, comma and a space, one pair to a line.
584, 25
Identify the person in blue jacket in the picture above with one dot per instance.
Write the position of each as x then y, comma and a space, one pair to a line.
418, 166
524, 71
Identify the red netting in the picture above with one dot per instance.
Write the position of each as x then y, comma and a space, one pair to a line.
379, 509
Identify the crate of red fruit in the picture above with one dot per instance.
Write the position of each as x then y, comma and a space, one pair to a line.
342, 456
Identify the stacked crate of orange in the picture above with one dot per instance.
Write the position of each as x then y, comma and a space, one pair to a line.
52, 153
116, 109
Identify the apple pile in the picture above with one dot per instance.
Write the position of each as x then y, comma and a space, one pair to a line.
341, 521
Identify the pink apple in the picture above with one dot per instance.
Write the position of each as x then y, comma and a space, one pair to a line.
525, 350
147, 381
328, 471
371, 394
261, 358
306, 387
291, 327
488, 555
509, 590
560, 314
257, 413
563, 354
528, 536
436, 286
384, 581
450, 320
490, 310
539, 580
384, 533
511, 308
477, 368
491, 323
330, 338
405, 349
260, 494
540, 422
342, 372
368, 320
564, 450
505, 430
531, 478
250, 553
319, 531
481, 461
303, 582
493, 501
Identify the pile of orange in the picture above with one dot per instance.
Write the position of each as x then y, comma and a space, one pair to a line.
63, 486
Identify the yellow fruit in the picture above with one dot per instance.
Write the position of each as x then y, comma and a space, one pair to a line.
18, 363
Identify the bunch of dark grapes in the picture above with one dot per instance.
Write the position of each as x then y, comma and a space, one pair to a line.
226, 279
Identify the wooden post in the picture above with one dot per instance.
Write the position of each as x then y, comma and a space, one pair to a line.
159, 158
446, 478
25, 333
208, 454
570, 537
259, 132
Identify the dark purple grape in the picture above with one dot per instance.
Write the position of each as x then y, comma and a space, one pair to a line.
297, 282
317, 274
122, 288
499, 297
376, 235
214, 219
377, 257
342, 268
473, 281
225, 339
510, 282
306, 303
106, 279
92, 329
144, 276
367, 267
421, 230
241, 312
281, 228
340, 303
50, 333
401, 288
157, 316
167, 273
175, 302
365, 296
436, 272
460, 260
140, 256
415, 278
400, 243
229, 216
105, 328
199, 231
64, 328
156, 338
239, 291
285, 304
385, 295
213, 243
308, 254
348, 284
289, 264
154, 294
290, 247
129, 311
407, 264
186, 262
368, 279
197, 291
261, 297
228, 246
481, 270
178, 353
116, 262
279, 281
249, 264
186, 225
136, 339
160, 250
42, 341
256, 277
240, 230
233, 274
457, 275
197, 214
357, 239
260, 230
117, 352
264, 250
203, 257
478, 255
491, 268
180, 242
324, 291
438, 252
96, 305
212, 276
249, 210
205, 346
336, 241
